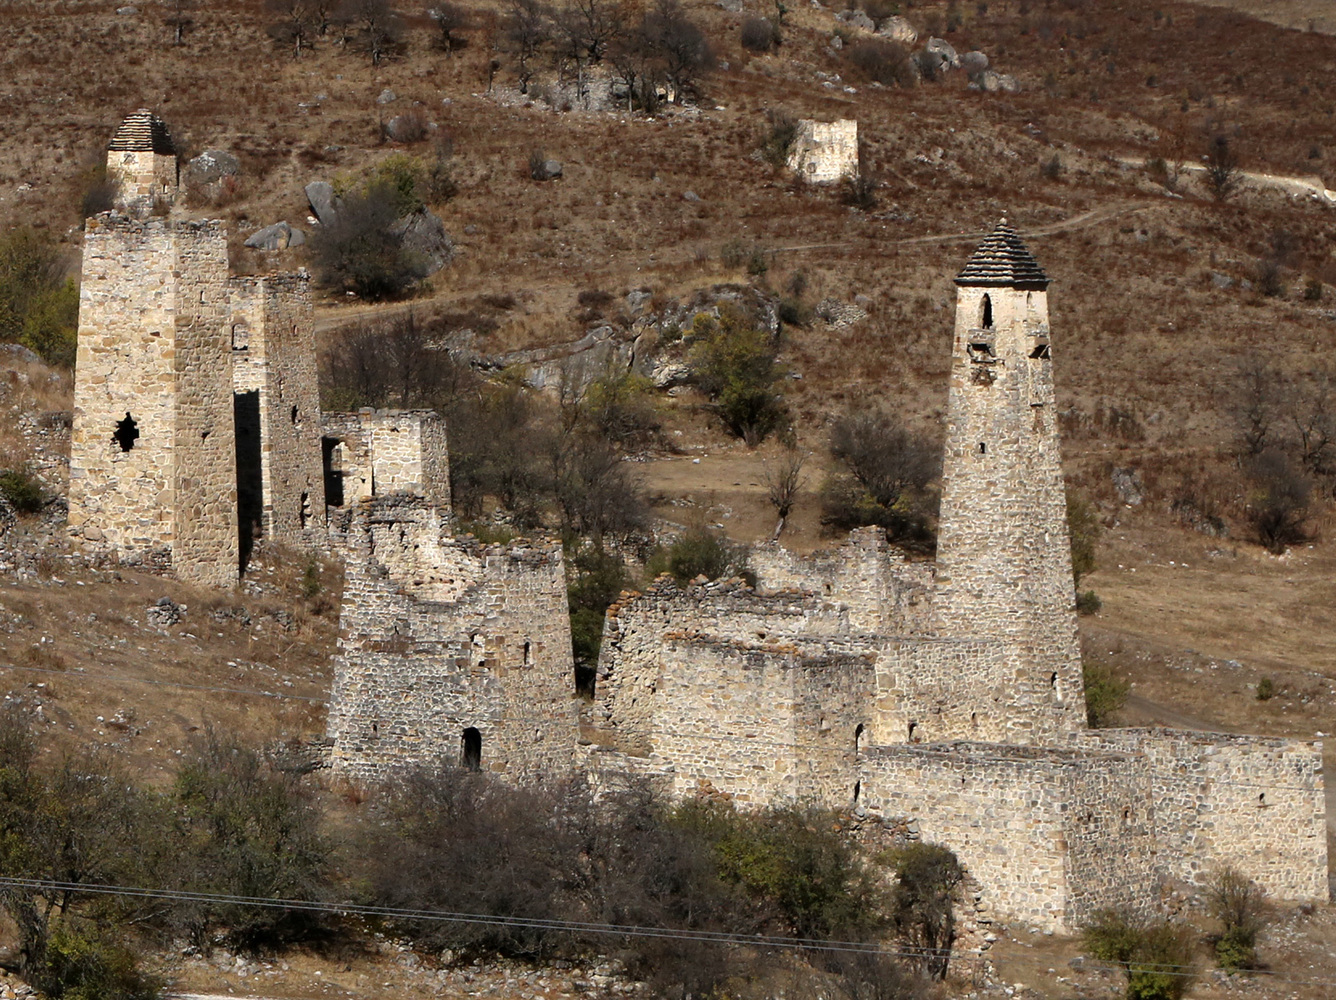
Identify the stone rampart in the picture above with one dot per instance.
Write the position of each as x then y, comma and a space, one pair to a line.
1251, 802
445, 641
1050, 835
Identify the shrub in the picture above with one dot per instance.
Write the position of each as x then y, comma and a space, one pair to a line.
88, 963
1278, 508
1266, 689
759, 35
622, 408
22, 490
734, 363
883, 61
732, 254
1051, 169
99, 190
859, 191
1312, 290
1239, 904
1083, 528
1105, 693
39, 307
1088, 602
362, 252
1155, 955
1223, 174
928, 876
700, 552
400, 178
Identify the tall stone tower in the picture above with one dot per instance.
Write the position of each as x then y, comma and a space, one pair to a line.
1004, 568
141, 161
152, 450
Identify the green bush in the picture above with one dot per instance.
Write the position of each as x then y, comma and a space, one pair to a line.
735, 363
1084, 528
928, 876
23, 490
1105, 694
596, 578
89, 964
1088, 602
1266, 689
39, 307
1238, 903
1155, 955
700, 552
404, 177
362, 252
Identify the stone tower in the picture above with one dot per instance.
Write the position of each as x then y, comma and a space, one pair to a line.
152, 450
141, 161
1004, 569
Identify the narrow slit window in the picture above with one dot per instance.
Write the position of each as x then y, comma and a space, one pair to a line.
471, 751
986, 314
1040, 352
983, 448
913, 728
858, 739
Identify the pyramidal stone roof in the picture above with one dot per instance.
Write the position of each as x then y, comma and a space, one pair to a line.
1003, 261
143, 132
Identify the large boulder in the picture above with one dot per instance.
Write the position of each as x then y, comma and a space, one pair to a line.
548, 170
320, 195
857, 19
992, 82
424, 234
936, 58
279, 236
897, 29
212, 166
973, 63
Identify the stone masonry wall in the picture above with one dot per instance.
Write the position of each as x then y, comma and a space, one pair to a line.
273, 352
1003, 555
152, 350
141, 177
883, 592
392, 451
825, 152
1050, 835
440, 635
939, 690
1254, 803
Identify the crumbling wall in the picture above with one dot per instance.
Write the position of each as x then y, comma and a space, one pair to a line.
1254, 803
1050, 835
883, 592
441, 636
382, 452
154, 360
825, 152
272, 334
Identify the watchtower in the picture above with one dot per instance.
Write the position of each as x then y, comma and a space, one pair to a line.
1004, 569
141, 162
152, 452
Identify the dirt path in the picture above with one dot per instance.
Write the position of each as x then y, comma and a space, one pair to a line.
1311, 187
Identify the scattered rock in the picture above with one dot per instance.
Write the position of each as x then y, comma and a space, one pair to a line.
424, 234
636, 301
210, 167
1221, 281
856, 19
897, 29
7, 516
1127, 484
164, 613
17, 352
836, 42
936, 57
127, 11
470, 229
732, 6
320, 195
387, 96
548, 170
404, 128
837, 315
974, 63
279, 236
690, 196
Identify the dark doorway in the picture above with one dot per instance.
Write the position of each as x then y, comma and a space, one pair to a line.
333, 475
472, 755
250, 477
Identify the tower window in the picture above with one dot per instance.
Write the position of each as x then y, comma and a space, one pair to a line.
858, 791
528, 653
240, 337
858, 738
293, 416
983, 448
471, 754
913, 727
986, 318
1040, 351
127, 433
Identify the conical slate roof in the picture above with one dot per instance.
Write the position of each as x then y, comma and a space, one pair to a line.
143, 132
1003, 261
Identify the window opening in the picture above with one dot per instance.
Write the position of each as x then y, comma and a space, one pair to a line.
1040, 352
858, 791
858, 738
1053, 680
987, 318
250, 473
293, 416
127, 433
983, 448
974, 720
912, 727
1261, 799
304, 512
333, 465
471, 756
528, 653
240, 337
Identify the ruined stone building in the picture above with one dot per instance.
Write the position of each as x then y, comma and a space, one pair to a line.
141, 162
825, 152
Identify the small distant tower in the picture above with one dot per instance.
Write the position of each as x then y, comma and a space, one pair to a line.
152, 450
1004, 568
141, 161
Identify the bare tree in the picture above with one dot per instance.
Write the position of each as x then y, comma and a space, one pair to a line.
450, 19
179, 20
380, 30
1223, 175
1312, 406
783, 482
603, 24
680, 45
528, 29
296, 24
1255, 404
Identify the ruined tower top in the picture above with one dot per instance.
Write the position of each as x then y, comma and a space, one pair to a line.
142, 132
1003, 261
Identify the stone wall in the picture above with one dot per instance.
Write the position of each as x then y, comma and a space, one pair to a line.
383, 452
825, 152
154, 360
884, 593
273, 351
1051, 836
1254, 803
440, 636
1004, 568
142, 177
940, 690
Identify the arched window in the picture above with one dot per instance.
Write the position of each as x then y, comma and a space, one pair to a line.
986, 313
858, 738
528, 653
913, 727
471, 755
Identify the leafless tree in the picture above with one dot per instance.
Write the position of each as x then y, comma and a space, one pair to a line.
784, 480
1255, 403
1312, 410
528, 30
379, 29
179, 20
603, 23
680, 45
450, 19
296, 25
1223, 175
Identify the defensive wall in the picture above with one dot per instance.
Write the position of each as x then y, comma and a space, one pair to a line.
1052, 835
451, 651
1254, 803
